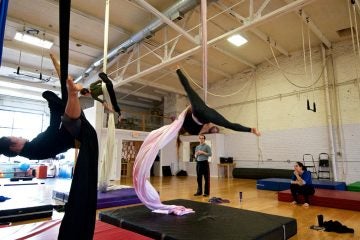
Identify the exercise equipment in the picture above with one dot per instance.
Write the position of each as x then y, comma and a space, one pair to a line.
210, 221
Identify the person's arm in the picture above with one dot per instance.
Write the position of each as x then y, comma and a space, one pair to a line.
298, 179
208, 149
71, 118
306, 177
293, 179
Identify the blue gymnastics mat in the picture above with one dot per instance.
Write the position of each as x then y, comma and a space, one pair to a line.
279, 184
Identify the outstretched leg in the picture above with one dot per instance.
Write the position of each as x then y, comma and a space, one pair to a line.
110, 88
206, 114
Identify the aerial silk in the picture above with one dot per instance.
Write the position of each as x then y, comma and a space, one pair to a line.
156, 140
109, 151
80, 210
3, 13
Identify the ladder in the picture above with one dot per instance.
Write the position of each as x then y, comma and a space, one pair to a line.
309, 163
324, 166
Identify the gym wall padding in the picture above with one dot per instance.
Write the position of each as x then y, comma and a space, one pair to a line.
259, 173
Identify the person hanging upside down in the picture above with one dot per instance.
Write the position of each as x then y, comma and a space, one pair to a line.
95, 91
200, 118
64, 128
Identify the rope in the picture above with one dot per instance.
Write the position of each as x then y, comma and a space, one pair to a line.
303, 46
258, 144
204, 47
213, 94
292, 83
109, 151
310, 59
353, 42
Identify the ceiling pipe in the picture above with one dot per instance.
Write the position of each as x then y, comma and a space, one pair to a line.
174, 12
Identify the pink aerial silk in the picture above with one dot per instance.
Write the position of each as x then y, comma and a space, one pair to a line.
156, 140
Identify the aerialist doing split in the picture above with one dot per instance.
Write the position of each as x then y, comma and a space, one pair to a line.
95, 91
200, 118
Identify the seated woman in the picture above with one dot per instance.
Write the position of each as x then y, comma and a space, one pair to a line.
95, 91
201, 119
301, 184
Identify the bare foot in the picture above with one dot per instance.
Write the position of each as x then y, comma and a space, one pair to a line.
255, 131
73, 88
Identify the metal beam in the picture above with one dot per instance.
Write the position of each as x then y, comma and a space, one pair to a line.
138, 94
166, 20
41, 86
233, 56
255, 31
258, 21
307, 19
90, 17
135, 104
270, 41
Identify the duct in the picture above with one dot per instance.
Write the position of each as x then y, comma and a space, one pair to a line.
174, 12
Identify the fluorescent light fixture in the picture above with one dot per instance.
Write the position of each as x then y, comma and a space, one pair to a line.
33, 40
237, 40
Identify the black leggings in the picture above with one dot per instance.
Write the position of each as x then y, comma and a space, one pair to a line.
304, 190
204, 113
55, 139
110, 88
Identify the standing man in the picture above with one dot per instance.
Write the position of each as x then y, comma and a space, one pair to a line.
202, 154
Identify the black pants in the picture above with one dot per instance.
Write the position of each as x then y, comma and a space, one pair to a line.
54, 139
304, 190
204, 113
202, 169
110, 89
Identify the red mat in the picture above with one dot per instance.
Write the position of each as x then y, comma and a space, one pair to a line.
49, 231
328, 198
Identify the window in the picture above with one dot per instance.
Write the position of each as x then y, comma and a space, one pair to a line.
21, 124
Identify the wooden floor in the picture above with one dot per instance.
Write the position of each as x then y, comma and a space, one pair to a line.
260, 201
253, 199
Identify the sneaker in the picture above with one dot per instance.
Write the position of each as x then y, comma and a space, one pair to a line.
206, 195
197, 194
294, 202
306, 205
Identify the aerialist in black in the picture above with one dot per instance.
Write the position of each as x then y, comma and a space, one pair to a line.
54, 140
200, 116
67, 124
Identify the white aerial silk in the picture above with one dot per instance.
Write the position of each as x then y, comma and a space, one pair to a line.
156, 140
109, 151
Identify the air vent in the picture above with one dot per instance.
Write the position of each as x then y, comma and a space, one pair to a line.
344, 33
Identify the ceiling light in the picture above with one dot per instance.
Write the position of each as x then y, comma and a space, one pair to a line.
237, 40
33, 40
